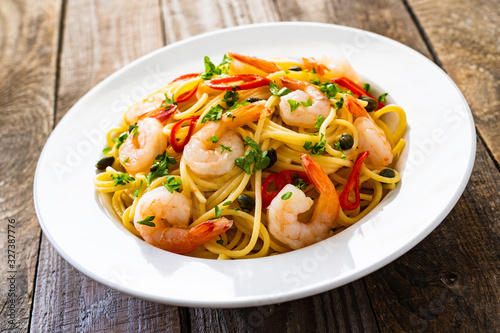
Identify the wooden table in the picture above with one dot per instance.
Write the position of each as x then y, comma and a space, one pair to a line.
54, 51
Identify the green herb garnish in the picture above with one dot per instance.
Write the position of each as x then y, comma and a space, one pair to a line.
120, 140
319, 121
231, 97
294, 105
106, 150
160, 167
223, 148
276, 91
172, 184
147, 221
215, 114
252, 156
337, 146
382, 97
218, 212
136, 192
122, 179
286, 196
366, 87
339, 104
214, 139
317, 148
299, 182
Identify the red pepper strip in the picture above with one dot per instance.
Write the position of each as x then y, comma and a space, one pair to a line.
186, 95
178, 147
280, 179
267, 197
312, 63
186, 76
356, 89
250, 81
286, 177
353, 184
162, 113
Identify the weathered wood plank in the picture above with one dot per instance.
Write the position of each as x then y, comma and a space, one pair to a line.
466, 38
448, 282
28, 53
99, 38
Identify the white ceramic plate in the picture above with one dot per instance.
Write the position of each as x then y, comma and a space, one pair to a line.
439, 157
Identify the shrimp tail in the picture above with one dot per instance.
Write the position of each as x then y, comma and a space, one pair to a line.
261, 64
317, 175
181, 240
294, 84
354, 107
245, 115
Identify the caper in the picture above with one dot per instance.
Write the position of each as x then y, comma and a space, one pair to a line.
252, 99
246, 202
372, 104
388, 173
153, 168
346, 141
105, 162
295, 68
131, 127
271, 153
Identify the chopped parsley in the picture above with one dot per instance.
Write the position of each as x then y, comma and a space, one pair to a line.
120, 140
168, 102
235, 106
172, 184
220, 241
231, 97
252, 156
382, 97
329, 89
337, 146
106, 150
294, 105
218, 211
160, 167
299, 182
319, 121
317, 148
125, 160
136, 192
286, 196
315, 81
135, 130
276, 91
215, 114
147, 221
122, 179
210, 69
366, 87
339, 104
214, 139
227, 203
223, 148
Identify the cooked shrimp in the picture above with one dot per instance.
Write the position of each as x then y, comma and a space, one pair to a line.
371, 137
339, 67
304, 116
170, 213
263, 66
208, 159
149, 104
282, 215
138, 152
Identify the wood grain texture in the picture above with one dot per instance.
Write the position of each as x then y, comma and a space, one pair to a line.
466, 38
448, 282
28, 53
99, 38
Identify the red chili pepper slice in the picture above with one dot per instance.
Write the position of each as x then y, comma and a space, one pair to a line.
186, 76
267, 197
186, 95
178, 147
162, 113
280, 179
353, 184
250, 81
356, 89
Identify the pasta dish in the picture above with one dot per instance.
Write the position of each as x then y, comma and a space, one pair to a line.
252, 157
